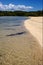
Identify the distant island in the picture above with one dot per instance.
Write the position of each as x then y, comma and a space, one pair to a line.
21, 13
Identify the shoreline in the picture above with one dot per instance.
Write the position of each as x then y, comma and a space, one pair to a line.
18, 46
34, 26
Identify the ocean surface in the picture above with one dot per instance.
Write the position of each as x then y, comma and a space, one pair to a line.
9, 21
12, 25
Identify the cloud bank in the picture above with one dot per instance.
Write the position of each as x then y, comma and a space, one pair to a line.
13, 7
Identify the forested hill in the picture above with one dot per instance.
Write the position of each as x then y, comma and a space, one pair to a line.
21, 13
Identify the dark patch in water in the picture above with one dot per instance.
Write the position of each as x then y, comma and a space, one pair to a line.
20, 33
16, 25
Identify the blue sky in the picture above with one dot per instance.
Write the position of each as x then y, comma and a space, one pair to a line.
25, 5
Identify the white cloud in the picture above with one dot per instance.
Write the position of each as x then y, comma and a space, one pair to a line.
14, 7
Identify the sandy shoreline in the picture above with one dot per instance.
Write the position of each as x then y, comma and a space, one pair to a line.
17, 48
34, 25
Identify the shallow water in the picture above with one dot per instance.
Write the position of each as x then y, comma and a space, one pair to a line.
17, 46
10, 21
12, 24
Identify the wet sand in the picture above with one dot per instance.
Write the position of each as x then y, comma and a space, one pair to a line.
19, 48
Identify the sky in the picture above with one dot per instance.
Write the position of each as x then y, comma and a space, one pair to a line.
21, 5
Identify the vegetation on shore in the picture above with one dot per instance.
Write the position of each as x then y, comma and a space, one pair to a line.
21, 13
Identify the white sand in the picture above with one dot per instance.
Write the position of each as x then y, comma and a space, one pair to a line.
34, 25
21, 49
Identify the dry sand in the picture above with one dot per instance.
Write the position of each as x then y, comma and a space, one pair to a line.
34, 25
19, 49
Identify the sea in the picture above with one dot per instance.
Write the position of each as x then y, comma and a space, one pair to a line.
12, 25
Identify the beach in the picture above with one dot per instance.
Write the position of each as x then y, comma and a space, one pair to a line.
18, 46
34, 25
